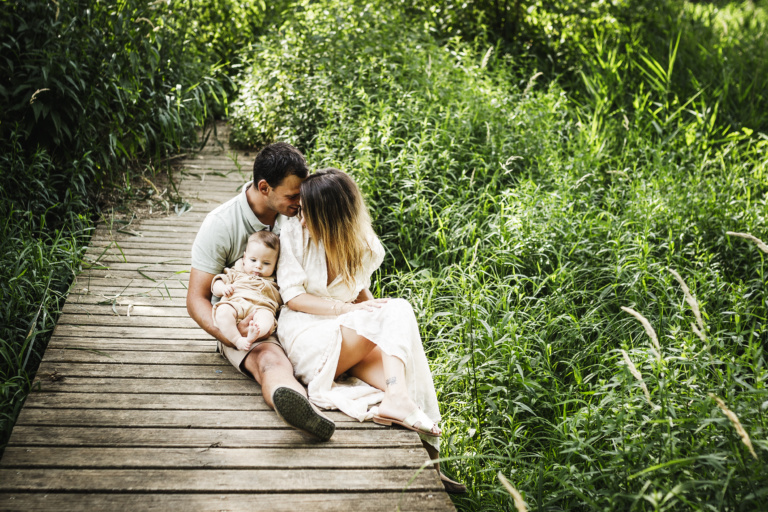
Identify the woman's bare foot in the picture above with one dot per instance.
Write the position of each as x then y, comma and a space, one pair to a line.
400, 409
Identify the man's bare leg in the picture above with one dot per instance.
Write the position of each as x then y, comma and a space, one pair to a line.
271, 368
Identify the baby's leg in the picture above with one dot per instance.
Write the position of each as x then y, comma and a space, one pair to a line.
226, 320
264, 320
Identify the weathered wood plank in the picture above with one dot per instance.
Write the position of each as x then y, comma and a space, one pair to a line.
104, 290
139, 357
202, 480
133, 401
132, 266
148, 274
26, 435
85, 331
138, 244
213, 371
109, 321
167, 418
54, 382
125, 287
75, 300
145, 238
315, 457
130, 310
147, 345
272, 502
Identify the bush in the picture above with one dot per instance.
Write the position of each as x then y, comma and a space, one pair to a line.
519, 219
90, 93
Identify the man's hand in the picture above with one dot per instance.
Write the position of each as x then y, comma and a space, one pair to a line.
243, 325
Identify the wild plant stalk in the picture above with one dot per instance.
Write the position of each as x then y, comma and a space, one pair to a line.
736, 424
648, 329
691, 300
760, 244
637, 375
520, 505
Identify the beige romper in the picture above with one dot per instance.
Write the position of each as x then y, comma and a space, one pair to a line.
251, 293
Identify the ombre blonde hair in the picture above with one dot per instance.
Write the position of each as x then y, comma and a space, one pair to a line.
335, 214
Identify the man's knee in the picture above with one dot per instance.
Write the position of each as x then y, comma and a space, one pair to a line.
267, 357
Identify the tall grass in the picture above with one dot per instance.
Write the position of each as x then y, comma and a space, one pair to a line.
523, 216
92, 95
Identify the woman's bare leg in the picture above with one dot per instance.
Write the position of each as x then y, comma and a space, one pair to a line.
364, 360
354, 348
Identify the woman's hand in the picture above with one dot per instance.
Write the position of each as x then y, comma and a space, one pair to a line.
366, 305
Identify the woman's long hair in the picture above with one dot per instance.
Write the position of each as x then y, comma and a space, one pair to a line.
335, 213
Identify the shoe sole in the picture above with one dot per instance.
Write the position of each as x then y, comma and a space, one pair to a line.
294, 409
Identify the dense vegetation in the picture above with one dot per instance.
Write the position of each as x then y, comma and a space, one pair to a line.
546, 176
555, 193
92, 95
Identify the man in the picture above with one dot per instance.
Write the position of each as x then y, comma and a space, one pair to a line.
264, 203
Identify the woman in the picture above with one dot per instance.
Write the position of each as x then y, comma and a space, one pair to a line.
332, 324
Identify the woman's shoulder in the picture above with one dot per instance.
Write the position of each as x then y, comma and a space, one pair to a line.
377, 250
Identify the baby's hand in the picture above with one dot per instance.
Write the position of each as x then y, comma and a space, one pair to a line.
228, 290
243, 344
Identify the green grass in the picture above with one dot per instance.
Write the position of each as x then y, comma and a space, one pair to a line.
522, 212
92, 97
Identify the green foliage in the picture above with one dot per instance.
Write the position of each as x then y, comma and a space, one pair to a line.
38, 263
90, 94
520, 216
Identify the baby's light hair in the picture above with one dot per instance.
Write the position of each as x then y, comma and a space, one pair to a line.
266, 238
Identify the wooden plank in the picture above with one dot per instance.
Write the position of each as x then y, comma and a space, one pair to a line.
132, 289
148, 274
146, 345
104, 356
314, 457
130, 310
26, 435
142, 228
215, 371
129, 333
54, 400
123, 286
272, 502
220, 387
144, 267
134, 321
167, 418
139, 244
230, 480
111, 257
146, 238
75, 300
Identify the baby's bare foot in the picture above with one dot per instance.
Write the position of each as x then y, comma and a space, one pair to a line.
243, 343
253, 331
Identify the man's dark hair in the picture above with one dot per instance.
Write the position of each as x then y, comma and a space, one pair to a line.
277, 161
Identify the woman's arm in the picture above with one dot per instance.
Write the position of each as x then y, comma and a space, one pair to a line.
308, 303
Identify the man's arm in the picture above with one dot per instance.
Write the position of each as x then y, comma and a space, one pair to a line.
199, 303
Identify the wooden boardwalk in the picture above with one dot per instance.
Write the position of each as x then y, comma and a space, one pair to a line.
133, 409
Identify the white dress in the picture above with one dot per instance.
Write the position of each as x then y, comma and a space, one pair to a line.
313, 342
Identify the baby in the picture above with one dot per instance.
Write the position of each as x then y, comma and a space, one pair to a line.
248, 287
